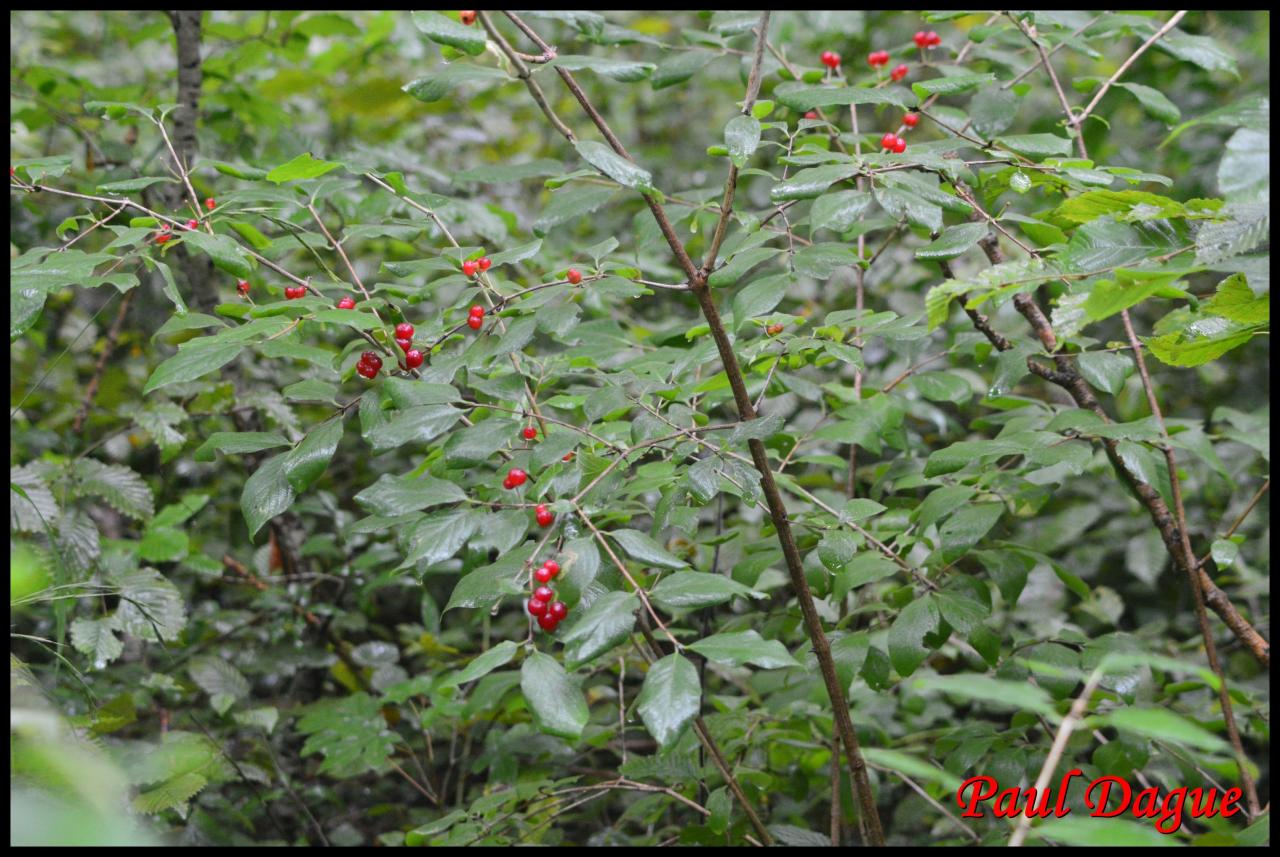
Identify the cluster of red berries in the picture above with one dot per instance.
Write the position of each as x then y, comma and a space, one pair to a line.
893, 143
369, 364
346, 302
515, 478
875, 59
574, 276
468, 17
899, 72
542, 605
472, 266
413, 358
294, 292
831, 59
166, 232
925, 40
773, 329
543, 515
476, 317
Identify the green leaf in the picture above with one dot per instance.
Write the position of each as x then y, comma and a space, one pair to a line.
438, 536
238, 443
607, 622
1105, 370
838, 210
132, 185
809, 183
306, 461
1235, 301
760, 296
121, 488
678, 67
641, 547
1155, 102
613, 165
1201, 50
446, 31
163, 544
1036, 144
350, 733
690, 589
745, 647
97, 639
446, 78
987, 690
669, 698
627, 71
396, 495
193, 360
553, 697
301, 168
569, 203
266, 493
741, 137
802, 98
483, 664
1102, 832
483, 587
950, 85
906, 647
220, 679
954, 242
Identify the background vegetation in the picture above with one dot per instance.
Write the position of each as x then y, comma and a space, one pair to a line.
1008, 481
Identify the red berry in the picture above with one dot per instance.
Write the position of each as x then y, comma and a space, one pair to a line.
165, 227
517, 476
477, 311
568, 456
210, 204
536, 606
899, 72
371, 358
483, 263
508, 484
878, 58
368, 370
243, 287
921, 38
475, 322
467, 17
830, 59
413, 358
346, 303
887, 141
297, 292
812, 114
405, 344
552, 567
529, 432
544, 515
544, 593
934, 39
163, 237
910, 120
193, 224
548, 622
470, 267
404, 330
773, 329
558, 609
899, 146
543, 575
574, 276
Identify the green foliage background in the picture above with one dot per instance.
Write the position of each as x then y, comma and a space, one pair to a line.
257, 599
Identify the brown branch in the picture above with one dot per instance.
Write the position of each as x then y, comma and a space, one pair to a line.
1191, 567
869, 817
1068, 378
1079, 118
1029, 32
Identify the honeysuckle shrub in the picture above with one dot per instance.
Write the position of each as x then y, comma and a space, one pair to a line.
918, 431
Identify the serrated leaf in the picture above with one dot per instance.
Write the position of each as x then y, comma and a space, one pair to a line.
906, 647
122, 489
741, 137
238, 443
350, 733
